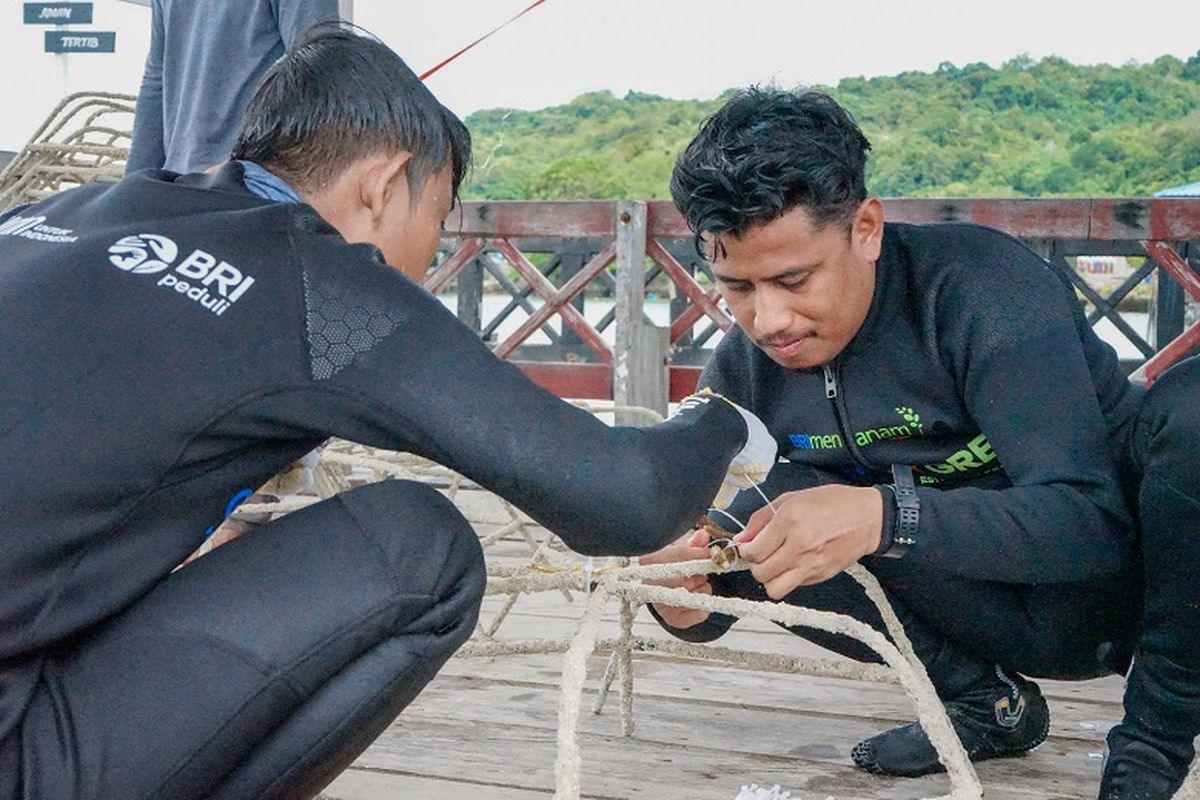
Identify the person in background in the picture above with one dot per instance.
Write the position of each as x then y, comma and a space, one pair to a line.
206, 58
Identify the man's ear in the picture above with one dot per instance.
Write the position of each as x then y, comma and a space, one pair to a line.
382, 180
867, 228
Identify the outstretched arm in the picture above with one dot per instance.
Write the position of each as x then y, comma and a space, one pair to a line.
430, 386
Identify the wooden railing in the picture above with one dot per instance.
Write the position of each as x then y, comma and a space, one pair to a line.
562, 254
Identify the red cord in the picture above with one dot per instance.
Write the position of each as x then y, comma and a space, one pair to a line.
443, 63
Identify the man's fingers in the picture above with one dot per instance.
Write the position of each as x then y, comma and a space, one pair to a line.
682, 616
758, 520
763, 544
768, 570
699, 538
782, 584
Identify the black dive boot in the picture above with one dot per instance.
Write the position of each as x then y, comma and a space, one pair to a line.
1150, 752
996, 717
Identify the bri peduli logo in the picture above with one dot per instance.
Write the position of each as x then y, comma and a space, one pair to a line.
143, 254
213, 284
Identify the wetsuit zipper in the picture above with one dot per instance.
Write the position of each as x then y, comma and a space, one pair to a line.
840, 414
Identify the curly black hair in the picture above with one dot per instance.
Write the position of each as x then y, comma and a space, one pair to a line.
764, 153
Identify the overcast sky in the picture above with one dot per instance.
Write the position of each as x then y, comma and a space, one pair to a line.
676, 48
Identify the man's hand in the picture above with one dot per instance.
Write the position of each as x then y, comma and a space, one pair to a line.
691, 546
813, 535
751, 465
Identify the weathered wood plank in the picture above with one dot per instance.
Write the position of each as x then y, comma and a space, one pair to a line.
825, 737
362, 784
616, 767
690, 682
641, 350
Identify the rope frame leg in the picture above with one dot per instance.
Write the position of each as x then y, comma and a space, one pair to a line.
625, 585
567, 762
610, 674
624, 654
554, 569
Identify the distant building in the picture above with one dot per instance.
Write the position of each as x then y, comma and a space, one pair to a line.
1186, 190
1106, 273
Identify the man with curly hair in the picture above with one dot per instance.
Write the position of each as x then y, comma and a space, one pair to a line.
951, 420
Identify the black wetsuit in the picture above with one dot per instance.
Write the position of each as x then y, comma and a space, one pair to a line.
169, 342
976, 366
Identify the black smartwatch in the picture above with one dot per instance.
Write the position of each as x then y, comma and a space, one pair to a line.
907, 515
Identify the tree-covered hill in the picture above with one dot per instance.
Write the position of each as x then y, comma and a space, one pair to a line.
1027, 128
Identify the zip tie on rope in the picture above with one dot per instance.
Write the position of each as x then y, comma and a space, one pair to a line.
766, 499
446, 61
725, 513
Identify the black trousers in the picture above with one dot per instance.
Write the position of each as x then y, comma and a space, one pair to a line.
1162, 694
1165, 457
263, 669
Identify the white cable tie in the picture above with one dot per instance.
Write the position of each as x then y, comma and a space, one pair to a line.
731, 516
763, 495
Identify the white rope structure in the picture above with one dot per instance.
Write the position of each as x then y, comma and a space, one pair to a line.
627, 584
85, 139
554, 568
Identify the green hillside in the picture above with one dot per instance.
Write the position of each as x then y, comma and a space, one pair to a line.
1029, 128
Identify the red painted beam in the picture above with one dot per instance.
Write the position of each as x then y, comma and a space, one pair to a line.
682, 382
702, 302
1165, 358
1167, 218
574, 381
556, 301
1173, 263
451, 266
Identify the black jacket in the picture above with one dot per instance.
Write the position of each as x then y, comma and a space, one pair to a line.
169, 341
976, 366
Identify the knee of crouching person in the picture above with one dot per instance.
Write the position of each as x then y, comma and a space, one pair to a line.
425, 540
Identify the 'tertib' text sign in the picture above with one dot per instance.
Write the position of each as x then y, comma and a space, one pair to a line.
58, 13
81, 41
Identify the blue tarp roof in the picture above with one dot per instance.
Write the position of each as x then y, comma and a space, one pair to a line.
1187, 190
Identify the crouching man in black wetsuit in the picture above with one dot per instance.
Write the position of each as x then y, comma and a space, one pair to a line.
171, 341
950, 419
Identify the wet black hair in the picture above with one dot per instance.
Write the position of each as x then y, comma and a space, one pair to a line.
340, 95
764, 153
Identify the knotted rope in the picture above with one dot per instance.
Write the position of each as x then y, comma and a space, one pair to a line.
85, 139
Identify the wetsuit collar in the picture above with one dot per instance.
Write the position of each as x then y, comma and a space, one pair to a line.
267, 185
229, 177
